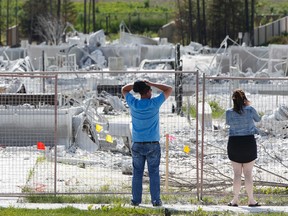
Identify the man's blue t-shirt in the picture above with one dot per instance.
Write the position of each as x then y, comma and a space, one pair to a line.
145, 117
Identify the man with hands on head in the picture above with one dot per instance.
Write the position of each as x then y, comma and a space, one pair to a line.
145, 136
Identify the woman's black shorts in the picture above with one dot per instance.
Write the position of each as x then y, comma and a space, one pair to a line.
242, 149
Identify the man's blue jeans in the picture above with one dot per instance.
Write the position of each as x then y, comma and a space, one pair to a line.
141, 153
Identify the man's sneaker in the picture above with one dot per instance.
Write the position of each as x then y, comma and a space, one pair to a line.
134, 204
159, 203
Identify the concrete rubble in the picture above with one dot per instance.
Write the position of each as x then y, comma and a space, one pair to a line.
78, 117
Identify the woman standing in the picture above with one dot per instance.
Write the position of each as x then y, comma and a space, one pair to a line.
242, 148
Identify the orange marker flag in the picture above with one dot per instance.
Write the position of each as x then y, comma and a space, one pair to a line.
40, 146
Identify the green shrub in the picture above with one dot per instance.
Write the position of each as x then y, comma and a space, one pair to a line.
217, 111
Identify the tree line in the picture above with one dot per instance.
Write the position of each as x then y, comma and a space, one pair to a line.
205, 21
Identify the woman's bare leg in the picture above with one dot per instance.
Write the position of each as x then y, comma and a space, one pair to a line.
247, 171
237, 169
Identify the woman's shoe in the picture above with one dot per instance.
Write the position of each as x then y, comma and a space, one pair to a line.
231, 204
254, 205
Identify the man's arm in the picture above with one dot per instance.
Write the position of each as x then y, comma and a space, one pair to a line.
127, 88
167, 90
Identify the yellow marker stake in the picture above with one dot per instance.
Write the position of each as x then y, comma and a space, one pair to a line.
109, 138
186, 149
99, 128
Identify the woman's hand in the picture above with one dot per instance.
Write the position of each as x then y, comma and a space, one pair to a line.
247, 102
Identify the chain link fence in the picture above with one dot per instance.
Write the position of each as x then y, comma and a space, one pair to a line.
269, 96
69, 133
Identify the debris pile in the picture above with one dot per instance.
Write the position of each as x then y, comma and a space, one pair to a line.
276, 123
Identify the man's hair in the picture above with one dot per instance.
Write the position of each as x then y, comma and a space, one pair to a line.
141, 87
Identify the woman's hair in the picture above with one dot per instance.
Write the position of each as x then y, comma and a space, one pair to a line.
141, 87
239, 100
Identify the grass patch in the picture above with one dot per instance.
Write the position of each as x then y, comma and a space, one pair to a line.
95, 199
40, 159
119, 205
273, 190
140, 17
104, 210
121, 210
185, 199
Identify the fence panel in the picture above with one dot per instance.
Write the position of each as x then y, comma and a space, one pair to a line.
269, 96
71, 134
99, 159
27, 121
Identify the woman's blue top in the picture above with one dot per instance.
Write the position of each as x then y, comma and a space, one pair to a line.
242, 124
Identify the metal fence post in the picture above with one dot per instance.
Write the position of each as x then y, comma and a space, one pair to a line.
197, 133
167, 164
55, 133
202, 135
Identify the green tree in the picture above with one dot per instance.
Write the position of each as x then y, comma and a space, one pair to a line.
28, 18
218, 18
8, 17
204, 27
225, 17
68, 10
185, 21
34, 13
